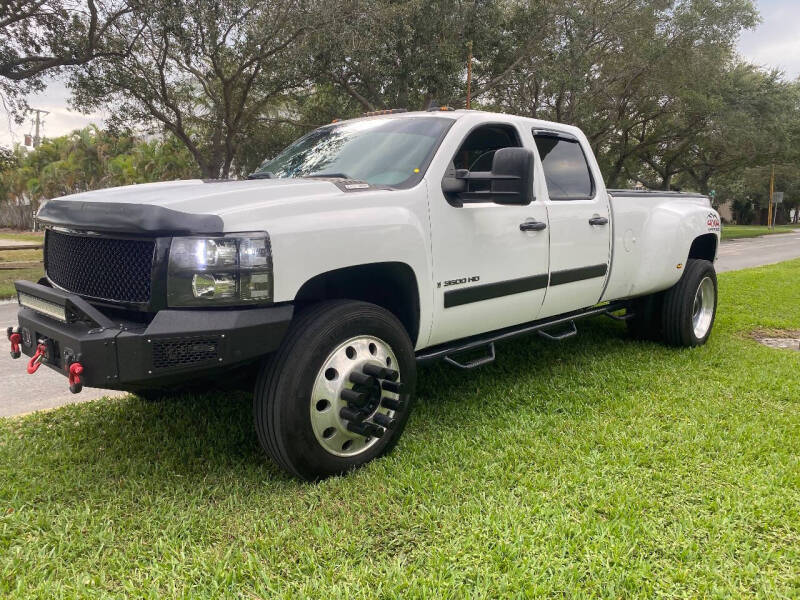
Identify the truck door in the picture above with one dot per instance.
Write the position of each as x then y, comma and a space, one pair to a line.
488, 272
579, 219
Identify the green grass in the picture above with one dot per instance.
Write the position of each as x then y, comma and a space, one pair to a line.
22, 236
731, 232
7, 256
8, 277
597, 467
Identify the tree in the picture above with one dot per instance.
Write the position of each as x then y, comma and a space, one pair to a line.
408, 53
8, 162
38, 37
622, 70
206, 72
655, 85
751, 120
88, 159
8, 159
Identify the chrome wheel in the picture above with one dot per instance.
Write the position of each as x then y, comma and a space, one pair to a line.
355, 396
703, 308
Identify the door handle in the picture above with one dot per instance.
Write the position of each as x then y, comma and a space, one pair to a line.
532, 226
598, 221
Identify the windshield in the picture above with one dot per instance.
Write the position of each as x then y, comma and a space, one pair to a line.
392, 152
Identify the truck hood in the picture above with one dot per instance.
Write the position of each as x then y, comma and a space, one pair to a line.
195, 206
212, 197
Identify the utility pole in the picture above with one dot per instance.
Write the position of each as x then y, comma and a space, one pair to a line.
469, 74
36, 137
771, 192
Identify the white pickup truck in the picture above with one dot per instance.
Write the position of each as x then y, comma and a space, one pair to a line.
365, 247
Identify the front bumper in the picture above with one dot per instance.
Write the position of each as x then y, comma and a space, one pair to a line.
129, 355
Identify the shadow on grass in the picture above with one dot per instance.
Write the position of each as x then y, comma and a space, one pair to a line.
183, 441
526, 357
190, 440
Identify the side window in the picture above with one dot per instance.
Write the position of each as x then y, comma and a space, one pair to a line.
566, 170
477, 151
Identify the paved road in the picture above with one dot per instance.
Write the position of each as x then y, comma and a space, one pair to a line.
23, 393
753, 252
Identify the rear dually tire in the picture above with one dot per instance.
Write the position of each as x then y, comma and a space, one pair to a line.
690, 306
645, 322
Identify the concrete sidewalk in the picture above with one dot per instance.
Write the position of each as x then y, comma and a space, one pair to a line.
22, 393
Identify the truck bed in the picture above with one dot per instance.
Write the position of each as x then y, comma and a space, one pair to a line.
628, 193
651, 239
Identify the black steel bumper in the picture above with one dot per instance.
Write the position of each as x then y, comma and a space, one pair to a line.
126, 355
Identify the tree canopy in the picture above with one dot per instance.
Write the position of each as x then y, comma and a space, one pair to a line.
89, 159
656, 84
39, 37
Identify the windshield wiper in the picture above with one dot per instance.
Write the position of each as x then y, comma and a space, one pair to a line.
262, 175
331, 175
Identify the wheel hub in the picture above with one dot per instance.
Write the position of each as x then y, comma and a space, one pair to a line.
371, 396
355, 397
703, 308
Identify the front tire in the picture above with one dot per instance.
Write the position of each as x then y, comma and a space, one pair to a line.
338, 391
690, 306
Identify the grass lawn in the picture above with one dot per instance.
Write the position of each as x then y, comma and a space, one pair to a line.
596, 467
22, 236
9, 276
730, 232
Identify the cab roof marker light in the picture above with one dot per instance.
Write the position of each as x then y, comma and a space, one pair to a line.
433, 107
388, 111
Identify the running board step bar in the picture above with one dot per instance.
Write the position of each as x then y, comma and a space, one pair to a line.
627, 316
476, 362
486, 340
557, 337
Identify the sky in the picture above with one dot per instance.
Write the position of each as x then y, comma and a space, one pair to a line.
774, 43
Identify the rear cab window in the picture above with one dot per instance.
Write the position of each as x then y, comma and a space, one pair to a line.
566, 170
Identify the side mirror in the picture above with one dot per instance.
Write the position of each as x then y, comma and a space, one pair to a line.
509, 182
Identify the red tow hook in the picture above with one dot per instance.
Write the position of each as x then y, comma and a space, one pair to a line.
36, 360
75, 384
15, 340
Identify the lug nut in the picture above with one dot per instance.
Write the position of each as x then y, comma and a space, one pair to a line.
350, 414
392, 386
360, 379
366, 429
383, 420
381, 372
353, 396
391, 403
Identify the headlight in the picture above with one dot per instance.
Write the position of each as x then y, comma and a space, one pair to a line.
232, 269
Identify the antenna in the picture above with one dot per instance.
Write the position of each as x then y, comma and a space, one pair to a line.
469, 75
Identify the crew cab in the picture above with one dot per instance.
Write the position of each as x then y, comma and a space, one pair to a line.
364, 248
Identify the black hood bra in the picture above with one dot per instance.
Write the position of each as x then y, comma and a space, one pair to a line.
124, 217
